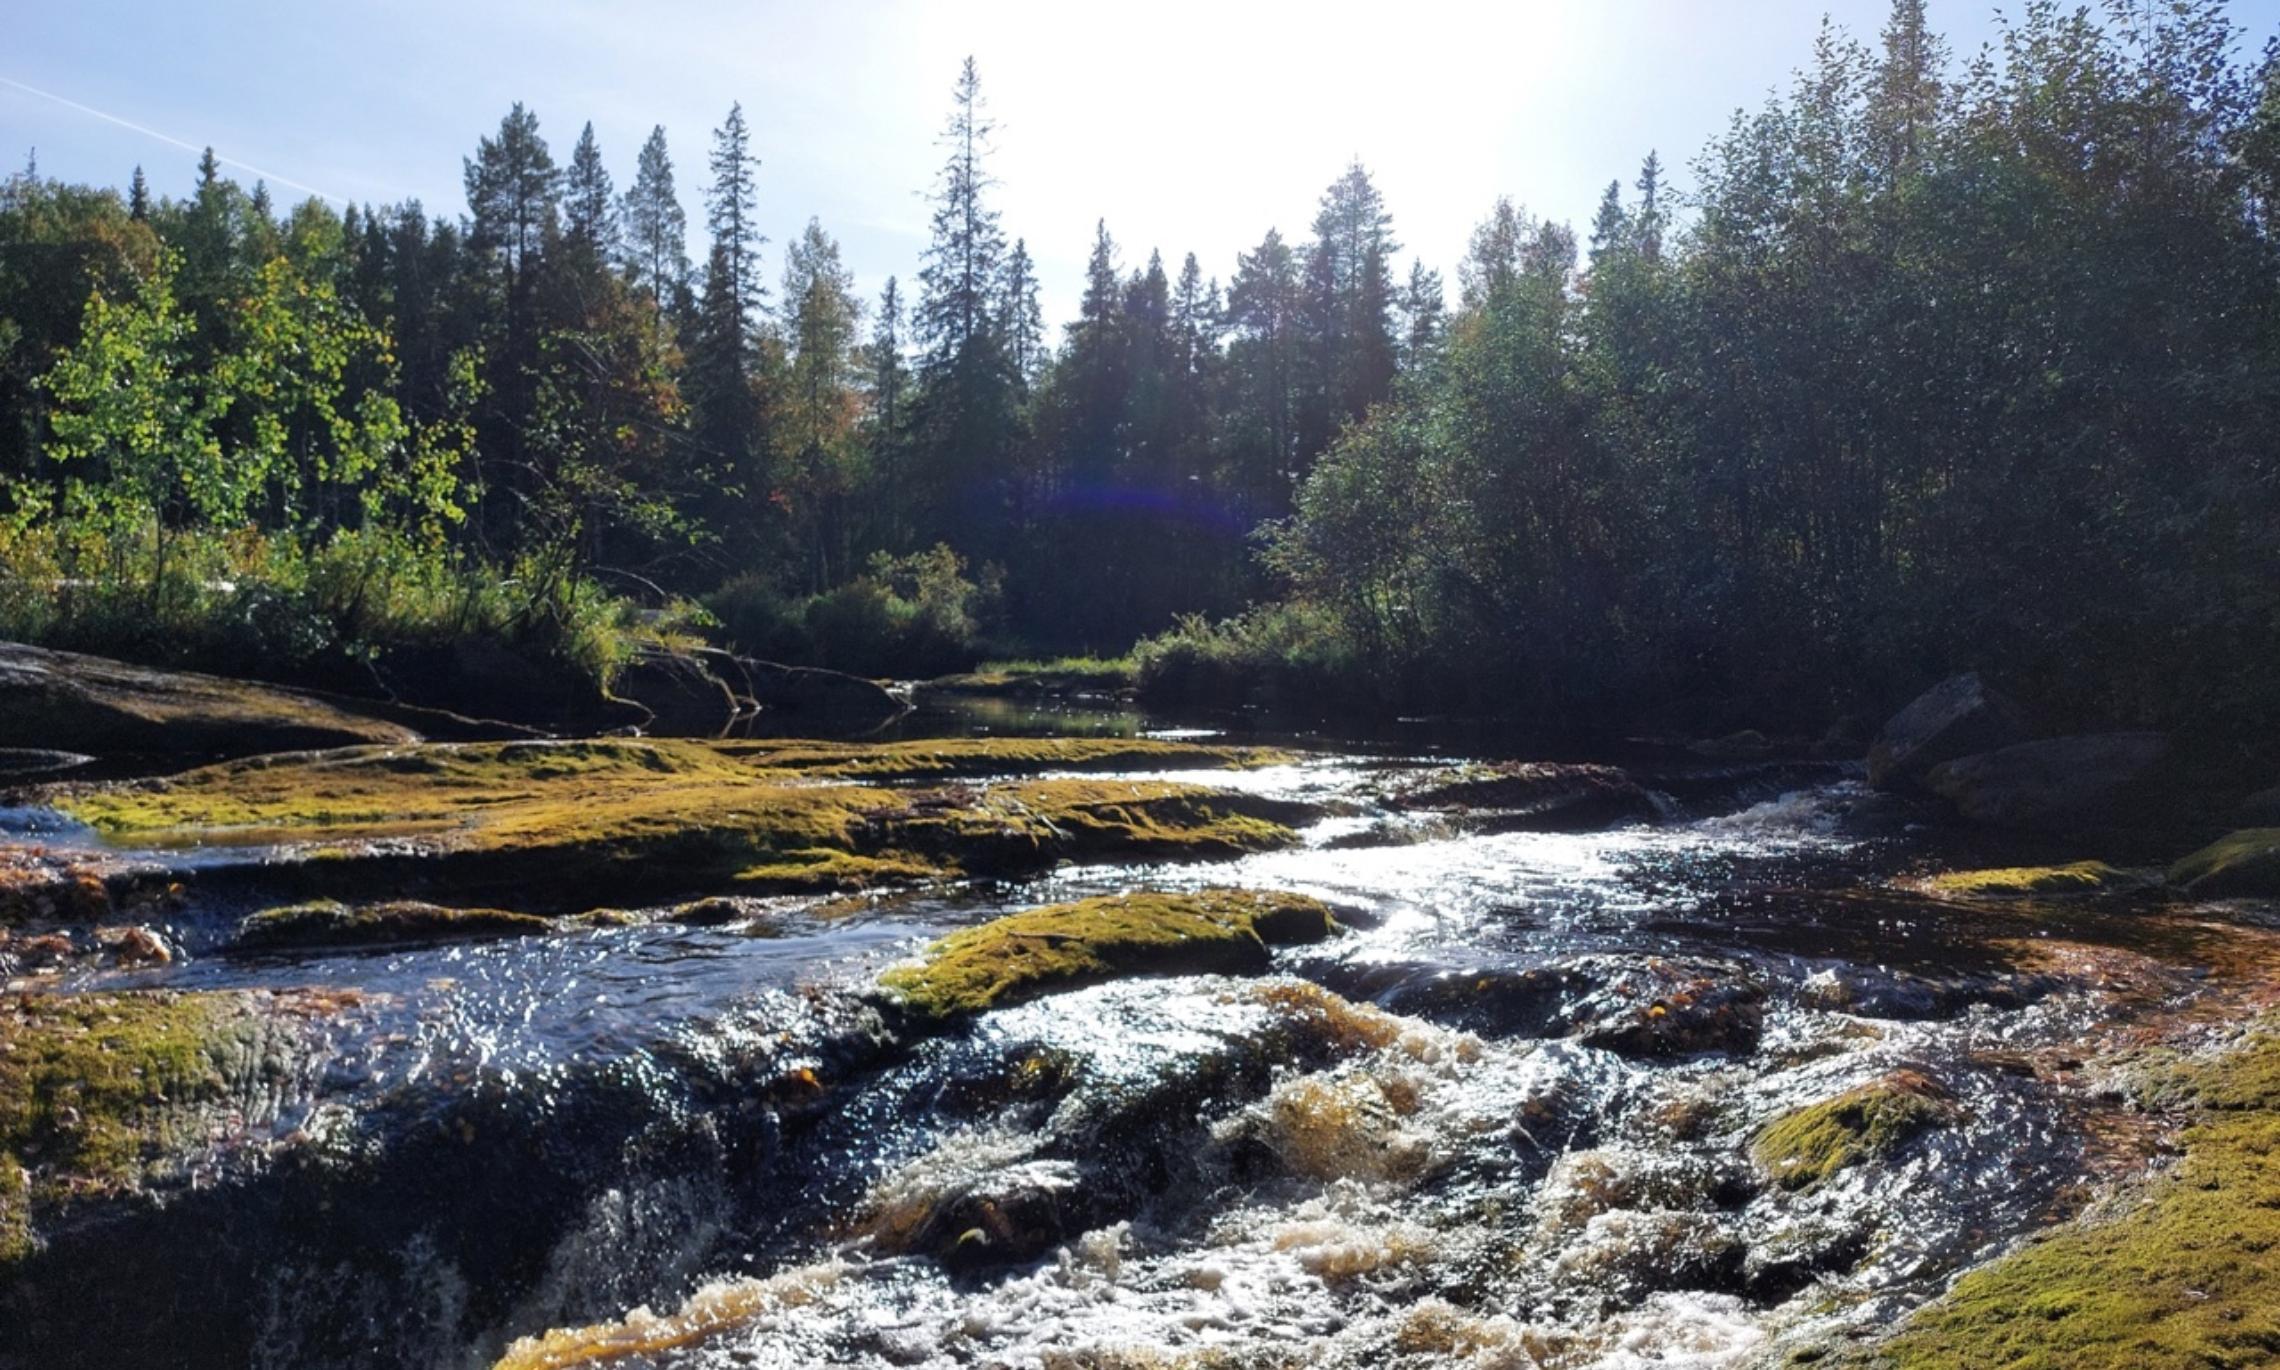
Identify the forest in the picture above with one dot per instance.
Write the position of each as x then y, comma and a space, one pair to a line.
1938, 361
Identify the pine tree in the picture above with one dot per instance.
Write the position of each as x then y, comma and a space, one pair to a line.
1424, 313
1263, 311
1648, 225
1020, 320
1611, 226
138, 197
967, 247
589, 204
816, 435
656, 229
731, 217
513, 196
1350, 347
969, 418
890, 373
889, 385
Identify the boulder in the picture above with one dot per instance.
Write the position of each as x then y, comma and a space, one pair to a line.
66, 702
1534, 796
1958, 717
2055, 783
2260, 810
845, 702
2242, 865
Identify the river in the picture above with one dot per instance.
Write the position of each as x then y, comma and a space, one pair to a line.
1513, 1115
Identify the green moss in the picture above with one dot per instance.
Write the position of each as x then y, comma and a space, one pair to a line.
1062, 946
2189, 1276
330, 923
2241, 864
967, 757
94, 1085
594, 818
2081, 877
1807, 1146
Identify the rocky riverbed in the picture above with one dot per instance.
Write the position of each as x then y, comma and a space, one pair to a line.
1112, 1051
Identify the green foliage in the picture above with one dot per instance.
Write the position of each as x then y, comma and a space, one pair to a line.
916, 615
1293, 654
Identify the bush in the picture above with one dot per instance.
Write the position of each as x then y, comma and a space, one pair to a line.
915, 615
1290, 654
336, 613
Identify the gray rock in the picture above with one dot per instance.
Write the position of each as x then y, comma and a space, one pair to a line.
66, 702
2055, 783
1958, 717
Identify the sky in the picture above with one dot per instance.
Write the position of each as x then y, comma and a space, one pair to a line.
1186, 126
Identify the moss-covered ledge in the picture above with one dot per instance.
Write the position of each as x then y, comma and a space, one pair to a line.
2184, 1274
96, 1089
1063, 946
574, 824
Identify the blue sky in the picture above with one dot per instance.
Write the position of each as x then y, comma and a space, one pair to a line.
1188, 126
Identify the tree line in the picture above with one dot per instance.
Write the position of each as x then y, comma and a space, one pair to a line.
1941, 362
548, 385
1949, 364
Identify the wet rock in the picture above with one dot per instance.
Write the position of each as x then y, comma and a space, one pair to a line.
839, 702
135, 946
1535, 797
331, 923
1584, 1184
99, 1091
1535, 1002
2057, 783
1794, 1256
1746, 745
1624, 1254
1870, 1122
1064, 946
1663, 1009
1958, 717
2245, 864
69, 702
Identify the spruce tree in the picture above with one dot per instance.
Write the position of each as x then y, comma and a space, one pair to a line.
732, 217
968, 418
656, 228
589, 205
964, 255
138, 197
1019, 318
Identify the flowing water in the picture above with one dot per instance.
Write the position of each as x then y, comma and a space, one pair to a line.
1506, 1119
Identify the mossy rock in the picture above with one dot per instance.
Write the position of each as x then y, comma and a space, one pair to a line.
2241, 865
567, 822
2187, 1276
1063, 946
96, 1087
1871, 1122
331, 923
2079, 877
